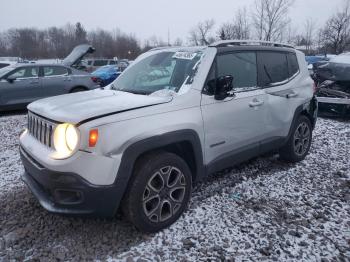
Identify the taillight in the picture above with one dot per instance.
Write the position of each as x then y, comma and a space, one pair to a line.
94, 78
93, 137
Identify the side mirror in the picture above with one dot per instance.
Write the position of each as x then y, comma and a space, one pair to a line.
224, 86
11, 79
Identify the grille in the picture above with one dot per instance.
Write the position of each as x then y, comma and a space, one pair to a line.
41, 129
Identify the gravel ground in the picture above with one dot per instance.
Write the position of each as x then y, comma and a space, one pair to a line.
260, 210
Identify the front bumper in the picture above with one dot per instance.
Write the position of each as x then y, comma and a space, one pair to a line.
68, 193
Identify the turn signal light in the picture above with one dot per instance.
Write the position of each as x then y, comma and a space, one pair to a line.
93, 137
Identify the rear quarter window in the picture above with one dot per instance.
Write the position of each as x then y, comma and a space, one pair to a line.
293, 65
272, 68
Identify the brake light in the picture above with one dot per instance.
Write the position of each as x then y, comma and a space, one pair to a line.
93, 137
94, 78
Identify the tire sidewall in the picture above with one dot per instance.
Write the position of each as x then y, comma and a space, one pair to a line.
294, 156
142, 176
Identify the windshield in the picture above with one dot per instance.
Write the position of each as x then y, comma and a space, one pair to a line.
5, 70
166, 70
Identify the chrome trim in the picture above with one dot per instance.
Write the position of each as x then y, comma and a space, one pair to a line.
41, 129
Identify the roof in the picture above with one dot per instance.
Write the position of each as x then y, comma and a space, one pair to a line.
226, 43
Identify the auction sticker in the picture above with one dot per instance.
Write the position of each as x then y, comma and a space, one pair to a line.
185, 55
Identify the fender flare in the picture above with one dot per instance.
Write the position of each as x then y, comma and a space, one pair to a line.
132, 152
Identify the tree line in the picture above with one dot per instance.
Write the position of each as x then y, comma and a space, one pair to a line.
58, 42
269, 20
265, 20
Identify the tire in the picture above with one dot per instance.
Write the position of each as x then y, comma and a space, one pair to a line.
161, 182
77, 89
299, 142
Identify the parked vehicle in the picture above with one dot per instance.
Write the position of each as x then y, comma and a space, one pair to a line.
95, 63
105, 75
123, 64
333, 85
173, 117
22, 84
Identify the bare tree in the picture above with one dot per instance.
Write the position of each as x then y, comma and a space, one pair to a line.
237, 29
309, 35
336, 31
270, 18
178, 42
202, 33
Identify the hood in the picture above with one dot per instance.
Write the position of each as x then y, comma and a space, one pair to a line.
81, 107
77, 54
333, 71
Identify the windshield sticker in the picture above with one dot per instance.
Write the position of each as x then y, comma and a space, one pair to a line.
184, 55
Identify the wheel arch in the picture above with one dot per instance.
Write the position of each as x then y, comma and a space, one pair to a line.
309, 110
184, 143
71, 90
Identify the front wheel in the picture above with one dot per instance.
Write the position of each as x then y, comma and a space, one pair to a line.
299, 142
159, 191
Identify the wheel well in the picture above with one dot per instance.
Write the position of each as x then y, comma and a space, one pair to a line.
307, 114
78, 87
183, 149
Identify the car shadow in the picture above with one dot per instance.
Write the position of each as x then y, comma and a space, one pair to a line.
26, 228
13, 112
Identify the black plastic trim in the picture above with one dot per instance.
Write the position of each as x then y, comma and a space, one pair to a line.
44, 184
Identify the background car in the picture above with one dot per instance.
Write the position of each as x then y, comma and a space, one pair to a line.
22, 84
95, 63
105, 75
333, 85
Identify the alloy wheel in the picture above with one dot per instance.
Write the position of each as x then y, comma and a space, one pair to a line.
301, 139
164, 194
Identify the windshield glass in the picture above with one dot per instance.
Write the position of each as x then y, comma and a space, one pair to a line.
166, 70
5, 70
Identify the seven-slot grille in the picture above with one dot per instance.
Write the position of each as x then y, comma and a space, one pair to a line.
41, 129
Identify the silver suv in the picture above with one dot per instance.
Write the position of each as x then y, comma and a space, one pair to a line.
173, 117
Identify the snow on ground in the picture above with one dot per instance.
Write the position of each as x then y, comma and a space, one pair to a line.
261, 210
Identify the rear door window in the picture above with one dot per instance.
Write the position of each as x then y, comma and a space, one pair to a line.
100, 62
55, 71
273, 68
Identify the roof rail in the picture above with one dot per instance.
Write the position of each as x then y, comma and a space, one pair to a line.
159, 48
224, 43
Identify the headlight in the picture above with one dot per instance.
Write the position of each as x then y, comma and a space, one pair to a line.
65, 140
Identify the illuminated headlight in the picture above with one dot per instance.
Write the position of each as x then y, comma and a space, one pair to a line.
65, 140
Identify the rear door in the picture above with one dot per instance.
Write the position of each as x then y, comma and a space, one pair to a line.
24, 89
234, 125
279, 75
56, 80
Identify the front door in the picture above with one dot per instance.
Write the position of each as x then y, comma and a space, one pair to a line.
24, 87
235, 125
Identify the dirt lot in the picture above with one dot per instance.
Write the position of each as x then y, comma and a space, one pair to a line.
260, 210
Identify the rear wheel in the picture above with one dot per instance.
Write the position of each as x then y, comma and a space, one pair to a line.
78, 89
299, 142
159, 192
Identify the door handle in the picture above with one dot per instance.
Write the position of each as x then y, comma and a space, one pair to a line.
256, 102
34, 82
293, 94
67, 79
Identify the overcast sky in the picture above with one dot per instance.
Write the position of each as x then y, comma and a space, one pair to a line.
144, 18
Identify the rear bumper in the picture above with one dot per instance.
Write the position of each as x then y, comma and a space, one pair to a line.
68, 193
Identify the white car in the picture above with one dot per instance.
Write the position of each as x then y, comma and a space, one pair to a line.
170, 119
